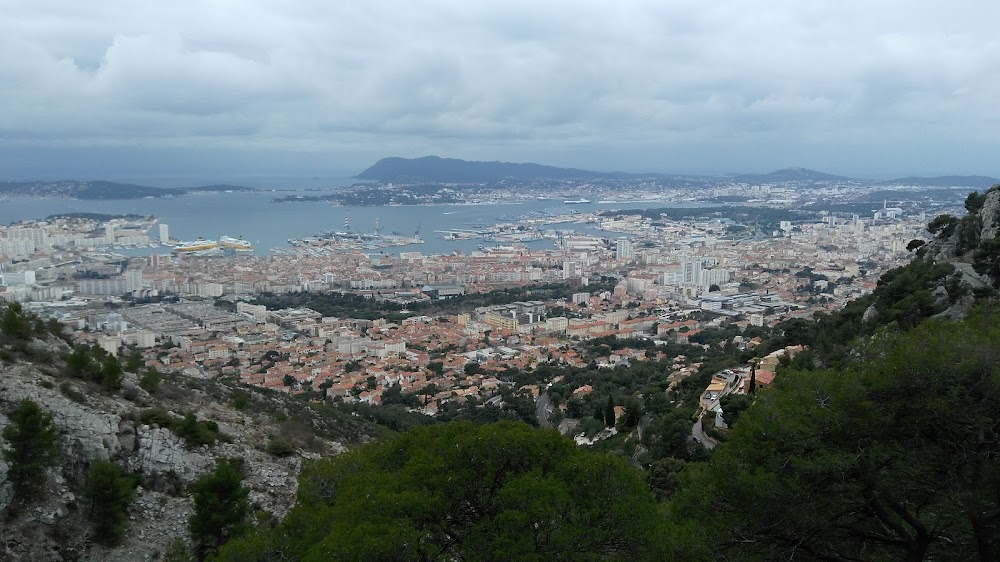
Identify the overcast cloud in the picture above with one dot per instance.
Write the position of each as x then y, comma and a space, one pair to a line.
130, 87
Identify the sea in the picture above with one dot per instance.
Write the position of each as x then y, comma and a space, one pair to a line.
268, 225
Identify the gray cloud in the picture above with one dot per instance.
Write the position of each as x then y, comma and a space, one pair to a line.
680, 85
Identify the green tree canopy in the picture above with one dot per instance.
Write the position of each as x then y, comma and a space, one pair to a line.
32, 444
895, 458
220, 507
109, 492
501, 491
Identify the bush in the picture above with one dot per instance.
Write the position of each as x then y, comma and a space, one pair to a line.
280, 448
240, 402
69, 391
109, 493
194, 432
150, 380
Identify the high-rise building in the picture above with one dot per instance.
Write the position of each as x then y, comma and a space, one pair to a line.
38, 236
691, 272
164, 233
624, 250
133, 280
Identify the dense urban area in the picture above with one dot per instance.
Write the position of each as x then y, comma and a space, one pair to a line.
362, 327
643, 333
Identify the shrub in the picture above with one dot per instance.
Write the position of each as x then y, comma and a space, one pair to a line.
150, 380
280, 448
69, 391
240, 402
195, 433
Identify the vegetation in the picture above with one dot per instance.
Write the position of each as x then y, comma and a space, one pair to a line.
220, 507
896, 457
195, 432
109, 493
347, 305
96, 365
461, 491
32, 445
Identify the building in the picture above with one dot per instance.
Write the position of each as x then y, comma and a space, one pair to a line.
443, 291
624, 250
9, 278
164, 234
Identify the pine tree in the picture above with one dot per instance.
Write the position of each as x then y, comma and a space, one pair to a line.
32, 444
220, 507
109, 492
609, 413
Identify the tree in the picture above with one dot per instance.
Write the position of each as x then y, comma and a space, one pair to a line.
733, 405
461, 491
633, 413
111, 373
220, 507
896, 457
609, 412
943, 226
32, 445
14, 323
150, 380
109, 493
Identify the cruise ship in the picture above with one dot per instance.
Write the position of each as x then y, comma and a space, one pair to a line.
238, 244
576, 201
199, 245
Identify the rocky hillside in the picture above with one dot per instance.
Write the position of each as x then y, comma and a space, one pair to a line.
970, 244
137, 430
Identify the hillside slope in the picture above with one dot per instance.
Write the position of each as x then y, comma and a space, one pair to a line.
137, 430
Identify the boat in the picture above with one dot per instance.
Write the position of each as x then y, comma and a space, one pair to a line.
238, 244
576, 201
198, 245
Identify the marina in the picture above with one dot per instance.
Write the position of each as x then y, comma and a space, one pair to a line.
268, 227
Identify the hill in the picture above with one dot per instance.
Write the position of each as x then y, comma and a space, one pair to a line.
800, 175
102, 189
163, 431
453, 170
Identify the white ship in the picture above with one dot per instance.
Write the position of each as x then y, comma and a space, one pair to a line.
576, 201
199, 245
238, 244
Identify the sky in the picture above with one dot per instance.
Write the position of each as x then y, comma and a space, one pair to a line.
136, 88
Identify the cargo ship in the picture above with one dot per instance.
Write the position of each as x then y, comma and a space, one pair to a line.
237, 244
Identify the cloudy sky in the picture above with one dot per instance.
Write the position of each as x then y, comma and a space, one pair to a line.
120, 88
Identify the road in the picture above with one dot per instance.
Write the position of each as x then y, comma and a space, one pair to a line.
542, 409
698, 434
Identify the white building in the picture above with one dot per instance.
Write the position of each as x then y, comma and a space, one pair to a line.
10, 278
624, 250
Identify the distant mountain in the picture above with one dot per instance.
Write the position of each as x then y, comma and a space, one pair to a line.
453, 170
975, 182
101, 189
791, 175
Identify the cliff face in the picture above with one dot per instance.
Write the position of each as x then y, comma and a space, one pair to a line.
97, 425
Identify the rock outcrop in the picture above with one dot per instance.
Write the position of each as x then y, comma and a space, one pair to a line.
95, 425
